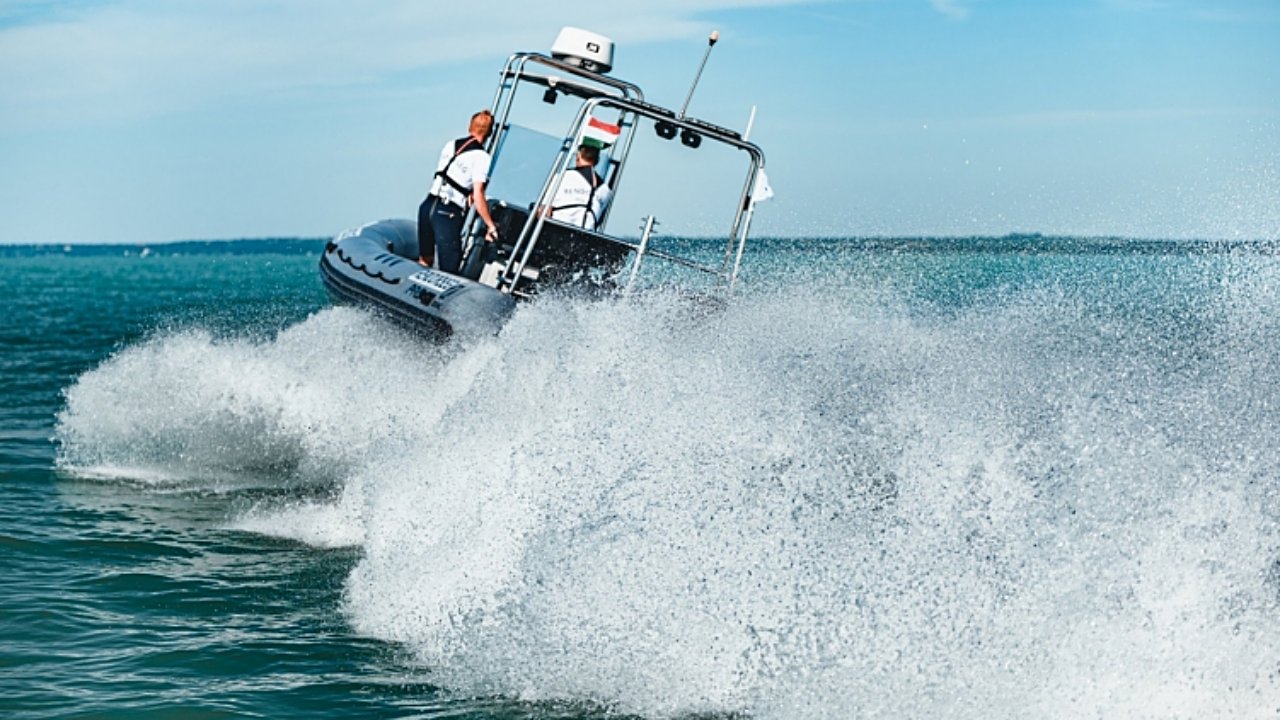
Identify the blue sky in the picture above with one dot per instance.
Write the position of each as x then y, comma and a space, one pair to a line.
153, 120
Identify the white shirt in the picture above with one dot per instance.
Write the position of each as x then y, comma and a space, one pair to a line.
570, 203
469, 168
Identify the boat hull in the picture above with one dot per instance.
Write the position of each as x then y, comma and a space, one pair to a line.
370, 266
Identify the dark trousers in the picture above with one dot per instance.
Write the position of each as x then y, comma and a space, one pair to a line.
440, 233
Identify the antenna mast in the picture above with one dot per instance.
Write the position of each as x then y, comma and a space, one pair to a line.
711, 41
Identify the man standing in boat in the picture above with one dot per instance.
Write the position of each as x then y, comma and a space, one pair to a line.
459, 181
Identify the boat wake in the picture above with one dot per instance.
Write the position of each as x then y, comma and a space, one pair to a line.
1041, 503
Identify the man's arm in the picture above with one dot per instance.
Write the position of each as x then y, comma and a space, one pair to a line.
481, 204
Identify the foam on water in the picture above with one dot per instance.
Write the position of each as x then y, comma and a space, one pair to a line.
809, 505
186, 405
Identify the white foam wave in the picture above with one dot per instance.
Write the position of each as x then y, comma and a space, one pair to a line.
806, 506
188, 406
798, 513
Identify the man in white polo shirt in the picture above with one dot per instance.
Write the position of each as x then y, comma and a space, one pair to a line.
459, 181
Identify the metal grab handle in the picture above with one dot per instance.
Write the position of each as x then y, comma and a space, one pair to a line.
649, 222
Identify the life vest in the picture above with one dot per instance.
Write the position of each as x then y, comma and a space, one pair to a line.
460, 146
590, 176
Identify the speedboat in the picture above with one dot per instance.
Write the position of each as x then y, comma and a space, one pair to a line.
375, 265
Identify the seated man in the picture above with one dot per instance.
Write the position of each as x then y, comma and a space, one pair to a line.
583, 195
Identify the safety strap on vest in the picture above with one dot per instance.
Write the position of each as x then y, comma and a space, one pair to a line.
461, 145
588, 174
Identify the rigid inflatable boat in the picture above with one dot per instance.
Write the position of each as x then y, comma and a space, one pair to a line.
375, 265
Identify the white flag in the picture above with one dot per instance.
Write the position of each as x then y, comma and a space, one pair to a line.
762, 190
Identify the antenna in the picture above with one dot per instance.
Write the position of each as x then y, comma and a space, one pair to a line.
751, 122
711, 41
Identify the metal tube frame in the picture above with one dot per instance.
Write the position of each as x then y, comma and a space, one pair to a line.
523, 248
647, 231
513, 71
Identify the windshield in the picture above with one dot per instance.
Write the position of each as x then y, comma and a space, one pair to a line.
521, 165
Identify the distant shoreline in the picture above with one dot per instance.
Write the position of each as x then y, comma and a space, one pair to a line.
247, 246
1016, 243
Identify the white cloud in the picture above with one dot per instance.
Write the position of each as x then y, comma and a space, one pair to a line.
953, 9
138, 57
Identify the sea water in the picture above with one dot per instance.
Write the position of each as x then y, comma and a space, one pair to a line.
1018, 477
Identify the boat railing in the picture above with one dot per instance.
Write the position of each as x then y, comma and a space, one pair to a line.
517, 70
728, 269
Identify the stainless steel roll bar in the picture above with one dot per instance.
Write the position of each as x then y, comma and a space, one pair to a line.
517, 69
632, 109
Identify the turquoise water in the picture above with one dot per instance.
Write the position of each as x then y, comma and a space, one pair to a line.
989, 478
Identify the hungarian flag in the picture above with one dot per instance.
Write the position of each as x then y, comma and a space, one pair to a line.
600, 134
